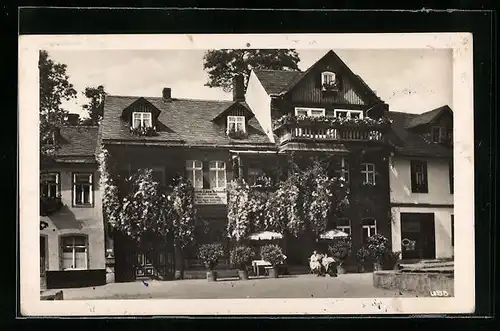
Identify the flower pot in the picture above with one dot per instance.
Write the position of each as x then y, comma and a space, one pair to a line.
243, 274
212, 276
273, 272
341, 270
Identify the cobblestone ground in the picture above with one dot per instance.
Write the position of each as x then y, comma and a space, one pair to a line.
301, 286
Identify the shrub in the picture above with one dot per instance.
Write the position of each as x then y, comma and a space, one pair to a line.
241, 256
378, 247
340, 248
362, 254
272, 254
209, 255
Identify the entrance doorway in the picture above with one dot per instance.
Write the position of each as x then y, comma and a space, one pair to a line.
154, 263
418, 239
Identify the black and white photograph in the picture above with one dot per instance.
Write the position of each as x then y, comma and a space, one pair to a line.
256, 172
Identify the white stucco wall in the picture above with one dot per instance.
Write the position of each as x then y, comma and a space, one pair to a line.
438, 182
260, 103
442, 225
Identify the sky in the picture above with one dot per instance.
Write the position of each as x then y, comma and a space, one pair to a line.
413, 81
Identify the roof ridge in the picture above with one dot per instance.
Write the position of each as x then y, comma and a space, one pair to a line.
174, 99
277, 70
80, 126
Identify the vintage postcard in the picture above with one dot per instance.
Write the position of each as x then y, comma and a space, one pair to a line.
246, 174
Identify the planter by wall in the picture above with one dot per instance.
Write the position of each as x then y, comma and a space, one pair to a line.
212, 276
273, 272
243, 274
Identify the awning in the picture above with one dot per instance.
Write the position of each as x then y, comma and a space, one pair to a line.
313, 147
333, 234
265, 235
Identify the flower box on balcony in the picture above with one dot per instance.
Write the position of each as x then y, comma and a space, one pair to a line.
50, 205
330, 87
144, 131
237, 134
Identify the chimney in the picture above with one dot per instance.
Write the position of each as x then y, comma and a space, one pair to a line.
167, 94
238, 88
73, 119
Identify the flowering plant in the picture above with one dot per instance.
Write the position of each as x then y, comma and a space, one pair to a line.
362, 254
378, 247
272, 254
340, 248
236, 133
209, 255
241, 256
146, 131
365, 122
331, 86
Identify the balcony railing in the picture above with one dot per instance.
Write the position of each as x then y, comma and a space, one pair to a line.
330, 129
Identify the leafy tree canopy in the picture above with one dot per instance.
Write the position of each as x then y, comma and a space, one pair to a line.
223, 64
94, 107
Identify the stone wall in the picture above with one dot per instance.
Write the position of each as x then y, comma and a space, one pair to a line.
419, 282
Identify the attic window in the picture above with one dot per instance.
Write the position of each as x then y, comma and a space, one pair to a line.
329, 81
236, 124
141, 120
437, 134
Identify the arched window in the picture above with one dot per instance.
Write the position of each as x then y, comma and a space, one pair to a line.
344, 225
369, 228
74, 252
328, 80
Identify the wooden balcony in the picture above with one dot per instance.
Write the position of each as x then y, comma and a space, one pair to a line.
330, 130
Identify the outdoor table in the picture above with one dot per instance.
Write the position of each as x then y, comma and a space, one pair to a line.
257, 264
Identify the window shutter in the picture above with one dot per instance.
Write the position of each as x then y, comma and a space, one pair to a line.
425, 186
414, 187
318, 79
206, 175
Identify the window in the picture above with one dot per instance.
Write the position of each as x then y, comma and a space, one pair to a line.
82, 189
344, 225
419, 176
369, 229
437, 134
344, 169
348, 113
74, 252
328, 77
452, 230
313, 112
368, 173
49, 185
236, 123
217, 172
451, 176
141, 120
194, 169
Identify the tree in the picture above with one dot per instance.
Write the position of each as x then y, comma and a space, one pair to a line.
95, 105
54, 89
223, 64
183, 215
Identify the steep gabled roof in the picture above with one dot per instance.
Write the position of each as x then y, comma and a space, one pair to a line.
277, 81
281, 82
248, 113
409, 143
427, 117
77, 141
184, 121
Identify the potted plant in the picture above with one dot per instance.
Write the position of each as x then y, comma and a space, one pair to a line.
340, 250
274, 255
209, 255
391, 259
361, 256
241, 257
378, 247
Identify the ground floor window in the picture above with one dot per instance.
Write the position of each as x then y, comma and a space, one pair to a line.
344, 225
74, 252
369, 229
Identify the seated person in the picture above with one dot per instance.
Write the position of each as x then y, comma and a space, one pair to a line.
315, 263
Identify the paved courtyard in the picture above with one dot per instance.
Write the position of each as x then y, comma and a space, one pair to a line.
301, 286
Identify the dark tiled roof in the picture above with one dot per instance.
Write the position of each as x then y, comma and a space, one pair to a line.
427, 117
77, 141
181, 120
409, 143
277, 81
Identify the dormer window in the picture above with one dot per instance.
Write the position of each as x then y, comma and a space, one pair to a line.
236, 124
329, 81
437, 134
141, 120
